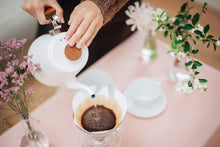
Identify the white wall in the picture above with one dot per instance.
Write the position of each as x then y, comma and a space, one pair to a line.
14, 22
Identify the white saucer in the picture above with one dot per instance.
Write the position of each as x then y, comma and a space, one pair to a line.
146, 110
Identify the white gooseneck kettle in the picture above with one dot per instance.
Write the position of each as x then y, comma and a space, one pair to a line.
59, 62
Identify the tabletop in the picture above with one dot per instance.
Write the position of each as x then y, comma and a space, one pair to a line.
188, 120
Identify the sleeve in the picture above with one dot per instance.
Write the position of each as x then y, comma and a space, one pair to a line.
109, 7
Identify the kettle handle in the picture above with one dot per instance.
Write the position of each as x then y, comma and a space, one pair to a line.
50, 13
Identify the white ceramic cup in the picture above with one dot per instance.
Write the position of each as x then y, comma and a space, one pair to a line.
144, 90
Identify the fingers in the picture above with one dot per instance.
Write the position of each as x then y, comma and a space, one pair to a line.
59, 11
73, 27
79, 32
36, 9
41, 17
92, 36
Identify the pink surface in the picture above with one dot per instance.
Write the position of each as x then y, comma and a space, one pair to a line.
188, 121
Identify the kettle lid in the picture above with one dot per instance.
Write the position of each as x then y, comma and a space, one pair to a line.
65, 57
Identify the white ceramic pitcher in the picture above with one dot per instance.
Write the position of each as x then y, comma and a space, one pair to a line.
59, 62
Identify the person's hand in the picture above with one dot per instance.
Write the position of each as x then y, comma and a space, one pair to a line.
36, 9
85, 21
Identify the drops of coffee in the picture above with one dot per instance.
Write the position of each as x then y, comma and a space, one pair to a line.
98, 118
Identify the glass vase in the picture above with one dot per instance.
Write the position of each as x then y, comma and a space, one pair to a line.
179, 73
33, 137
149, 50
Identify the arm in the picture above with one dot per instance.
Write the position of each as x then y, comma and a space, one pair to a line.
88, 17
109, 8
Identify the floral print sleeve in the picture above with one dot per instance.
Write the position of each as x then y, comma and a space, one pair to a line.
109, 7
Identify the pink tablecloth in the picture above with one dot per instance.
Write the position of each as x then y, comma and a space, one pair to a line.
188, 121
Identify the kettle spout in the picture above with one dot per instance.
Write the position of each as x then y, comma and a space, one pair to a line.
71, 82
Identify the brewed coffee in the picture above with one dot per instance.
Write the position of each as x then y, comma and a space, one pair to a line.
105, 116
98, 118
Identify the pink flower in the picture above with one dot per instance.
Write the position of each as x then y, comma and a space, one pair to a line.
37, 67
12, 40
1, 58
14, 75
30, 67
15, 62
9, 70
23, 65
29, 91
22, 41
29, 56
15, 89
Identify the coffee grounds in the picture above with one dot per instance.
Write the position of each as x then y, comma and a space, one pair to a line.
98, 118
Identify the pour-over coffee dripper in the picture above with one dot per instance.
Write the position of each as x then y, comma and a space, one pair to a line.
117, 103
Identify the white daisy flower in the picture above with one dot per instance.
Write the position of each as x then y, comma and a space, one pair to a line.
197, 27
181, 54
158, 12
199, 86
140, 16
218, 43
186, 89
179, 37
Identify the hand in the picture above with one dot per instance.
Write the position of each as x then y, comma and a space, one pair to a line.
36, 9
85, 21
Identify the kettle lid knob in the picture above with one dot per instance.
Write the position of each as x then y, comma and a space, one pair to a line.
72, 53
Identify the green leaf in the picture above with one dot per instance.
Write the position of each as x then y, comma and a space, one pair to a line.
206, 29
180, 16
197, 37
194, 42
165, 33
162, 13
195, 18
179, 44
183, 7
205, 7
188, 64
189, 17
214, 40
190, 83
208, 45
209, 36
189, 35
199, 33
189, 9
159, 27
203, 80
182, 22
186, 47
176, 22
214, 45
173, 45
194, 66
171, 38
187, 27
197, 63
174, 33
195, 51
196, 72
192, 0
